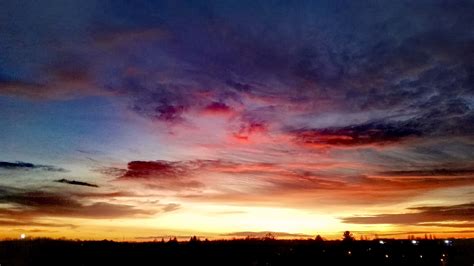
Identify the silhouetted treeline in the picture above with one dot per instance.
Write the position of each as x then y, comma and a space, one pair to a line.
266, 251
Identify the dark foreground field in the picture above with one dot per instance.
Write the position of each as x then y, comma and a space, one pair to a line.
238, 252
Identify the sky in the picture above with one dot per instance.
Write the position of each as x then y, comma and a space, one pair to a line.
135, 120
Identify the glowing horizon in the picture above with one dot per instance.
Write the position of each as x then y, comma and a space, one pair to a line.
131, 121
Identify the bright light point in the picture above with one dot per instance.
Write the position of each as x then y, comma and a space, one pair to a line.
414, 242
381, 242
386, 255
349, 252
22, 236
421, 256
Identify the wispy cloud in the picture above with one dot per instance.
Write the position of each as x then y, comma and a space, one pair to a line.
32, 204
420, 215
74, 182
430, 172
171, 207
29, 166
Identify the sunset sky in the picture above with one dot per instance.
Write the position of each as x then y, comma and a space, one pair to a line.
135, 120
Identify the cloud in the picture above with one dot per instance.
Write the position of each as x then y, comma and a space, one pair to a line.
27, 203
396, 73
356, 135
217, 108
420, 233
420, 215
29, 166
119, 37
261, 182
430, 172
18, 87
163, 175
263, 234
162, 169
431, 125
155, 169
74, 182
29, 223
172, 72
169, 113
453, 225
248, 129
171, 207
67, 82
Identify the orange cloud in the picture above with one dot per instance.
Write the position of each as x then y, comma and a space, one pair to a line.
421, 215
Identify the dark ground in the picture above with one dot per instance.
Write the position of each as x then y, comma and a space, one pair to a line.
237, 252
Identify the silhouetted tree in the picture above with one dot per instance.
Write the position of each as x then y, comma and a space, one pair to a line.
319, 238
194, 239
269, 236
347, 236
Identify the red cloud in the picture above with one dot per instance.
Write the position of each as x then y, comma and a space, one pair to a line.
167, 175
252, 128
153, 169
289, 181
217, 108
371, 133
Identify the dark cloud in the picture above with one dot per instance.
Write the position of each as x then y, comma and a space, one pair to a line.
68, 80
103, 195
393, 186
420, 215
27, 166
74, 182
420, 233
169, 113
39, 203
167, 175
155, 169
433, 124
28, 223
110, 171
357, 135
288, 180
315, 59
430, 172
217, 108
18, 87
454, 225
162, 169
